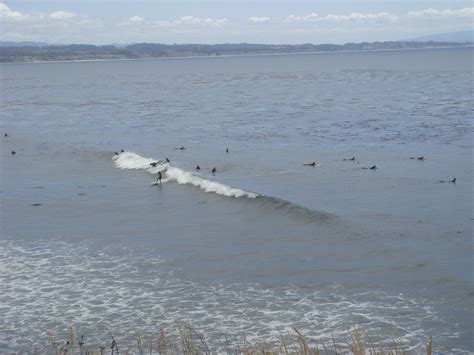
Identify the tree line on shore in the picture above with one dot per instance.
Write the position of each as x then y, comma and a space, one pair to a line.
40, 53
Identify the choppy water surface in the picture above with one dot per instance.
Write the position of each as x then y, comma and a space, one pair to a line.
263, 245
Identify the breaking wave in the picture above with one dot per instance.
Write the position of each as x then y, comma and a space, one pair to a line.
133, 161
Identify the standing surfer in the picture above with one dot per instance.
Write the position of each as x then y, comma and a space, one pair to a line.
158, 180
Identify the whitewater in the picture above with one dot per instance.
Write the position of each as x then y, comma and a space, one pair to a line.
133, 161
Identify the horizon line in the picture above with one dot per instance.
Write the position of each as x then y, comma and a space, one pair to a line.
229, 43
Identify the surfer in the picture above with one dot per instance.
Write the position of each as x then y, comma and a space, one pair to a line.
167, 160
214, 170
419, 158
13, 152
180, 148
453, 181
116, 153
373, 167
158, 180
310, 164
227, 150
154, 164
351, 159
198, 167
6, 134
122, 151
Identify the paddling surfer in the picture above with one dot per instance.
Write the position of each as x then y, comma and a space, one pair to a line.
453, 181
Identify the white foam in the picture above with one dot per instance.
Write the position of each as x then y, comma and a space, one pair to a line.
43, 283
129, 160
132, 161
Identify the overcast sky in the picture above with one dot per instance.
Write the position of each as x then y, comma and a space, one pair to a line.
219, 21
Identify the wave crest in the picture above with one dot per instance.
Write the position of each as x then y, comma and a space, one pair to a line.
133, 161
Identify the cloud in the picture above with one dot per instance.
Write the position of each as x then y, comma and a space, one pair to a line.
57, 26
6, 14
381, 16
68, 27
136, 19
187, 21
353, 17
254, 19
306, 18
468, 11
61, 15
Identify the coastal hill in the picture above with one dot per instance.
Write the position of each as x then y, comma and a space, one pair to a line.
459, 36
41, 53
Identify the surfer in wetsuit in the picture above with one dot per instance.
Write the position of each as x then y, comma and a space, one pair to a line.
453, 181
158, 180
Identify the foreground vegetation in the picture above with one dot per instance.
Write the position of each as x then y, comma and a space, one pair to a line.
191, 342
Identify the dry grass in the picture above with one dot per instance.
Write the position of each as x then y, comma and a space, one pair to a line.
190, 342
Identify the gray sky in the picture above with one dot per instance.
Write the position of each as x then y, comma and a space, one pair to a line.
219, 21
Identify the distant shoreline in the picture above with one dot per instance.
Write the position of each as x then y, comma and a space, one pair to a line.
203, 56
10, 55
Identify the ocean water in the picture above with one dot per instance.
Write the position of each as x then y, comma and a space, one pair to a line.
264, 244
